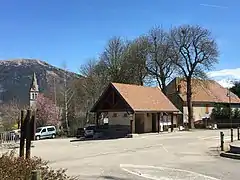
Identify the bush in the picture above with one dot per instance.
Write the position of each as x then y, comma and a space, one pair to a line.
13, 167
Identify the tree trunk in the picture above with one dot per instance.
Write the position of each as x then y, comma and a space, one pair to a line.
189, 104
164, 87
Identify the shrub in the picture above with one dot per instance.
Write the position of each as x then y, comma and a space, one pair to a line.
13, 167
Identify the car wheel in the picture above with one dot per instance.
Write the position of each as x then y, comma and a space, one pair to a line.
38, 137
53, 136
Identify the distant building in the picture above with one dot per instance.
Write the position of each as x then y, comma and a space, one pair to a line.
205, 95
33, 93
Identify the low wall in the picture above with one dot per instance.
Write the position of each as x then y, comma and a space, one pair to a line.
115, 131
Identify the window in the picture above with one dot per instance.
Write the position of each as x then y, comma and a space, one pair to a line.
114, 114
44, 130
125, 115
32, 95
51, 129
91, 128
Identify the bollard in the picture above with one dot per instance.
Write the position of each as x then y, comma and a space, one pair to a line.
36, 175
222, 141
231, 134
238, 135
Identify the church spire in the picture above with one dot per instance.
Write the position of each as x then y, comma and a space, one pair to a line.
34, 86
33, 92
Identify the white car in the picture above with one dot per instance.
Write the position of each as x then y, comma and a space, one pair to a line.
45, 132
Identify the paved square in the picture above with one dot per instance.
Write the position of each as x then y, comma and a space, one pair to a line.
177, 155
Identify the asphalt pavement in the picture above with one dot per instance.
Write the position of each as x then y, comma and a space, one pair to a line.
177, 155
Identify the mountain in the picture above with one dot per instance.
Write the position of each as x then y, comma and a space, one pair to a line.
16, 78
226, 77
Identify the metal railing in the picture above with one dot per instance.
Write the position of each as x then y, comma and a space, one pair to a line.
9, 137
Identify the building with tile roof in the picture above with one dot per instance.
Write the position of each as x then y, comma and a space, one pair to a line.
205, 94
139, 107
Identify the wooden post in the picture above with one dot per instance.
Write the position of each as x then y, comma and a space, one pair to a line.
36, 175
171, 122
238, 135
97, 115
158, 122
22, 136
131, 126
28, 133
33, 125
231, 134
222, 141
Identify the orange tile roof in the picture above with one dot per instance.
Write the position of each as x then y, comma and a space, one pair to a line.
142, 98
207, 91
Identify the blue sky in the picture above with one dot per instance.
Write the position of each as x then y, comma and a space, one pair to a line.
77, 30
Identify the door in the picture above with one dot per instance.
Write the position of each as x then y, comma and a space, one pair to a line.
139, 123
154, 123
44, 133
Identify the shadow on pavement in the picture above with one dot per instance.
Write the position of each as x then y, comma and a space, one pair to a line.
113, 178
95, 139
104, 177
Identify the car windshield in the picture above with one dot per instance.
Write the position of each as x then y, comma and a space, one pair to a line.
90, 128
38, 130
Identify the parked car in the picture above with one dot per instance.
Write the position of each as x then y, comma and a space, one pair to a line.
80, 133
45, 132
90, 130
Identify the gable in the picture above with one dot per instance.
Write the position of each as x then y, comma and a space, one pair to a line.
111, 100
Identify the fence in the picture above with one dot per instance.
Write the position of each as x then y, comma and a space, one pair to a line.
9, 137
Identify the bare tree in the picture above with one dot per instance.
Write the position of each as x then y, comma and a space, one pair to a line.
95, 80
159, 64
195, 53
135, 61
68, 94
10, 113
113, 59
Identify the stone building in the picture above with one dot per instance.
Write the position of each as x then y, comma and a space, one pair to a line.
33, 93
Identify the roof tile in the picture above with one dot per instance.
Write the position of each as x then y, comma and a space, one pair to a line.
142, 98
208, 91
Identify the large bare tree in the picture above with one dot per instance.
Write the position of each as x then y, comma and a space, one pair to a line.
159, 64
113, 58
195, 53
135, 61
95, 79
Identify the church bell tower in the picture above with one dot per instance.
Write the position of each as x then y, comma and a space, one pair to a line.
34, 91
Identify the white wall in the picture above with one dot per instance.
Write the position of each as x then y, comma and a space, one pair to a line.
199, 112
119, 119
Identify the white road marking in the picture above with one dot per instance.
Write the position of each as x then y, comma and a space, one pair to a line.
149, 176
165, 149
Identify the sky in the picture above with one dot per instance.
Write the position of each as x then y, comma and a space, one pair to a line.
58, 31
